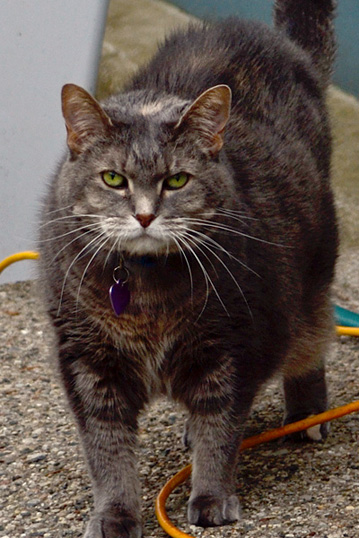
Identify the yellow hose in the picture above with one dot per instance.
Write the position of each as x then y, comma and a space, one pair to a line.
347, 331
27, 255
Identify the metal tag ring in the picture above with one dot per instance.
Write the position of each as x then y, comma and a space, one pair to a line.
121, 273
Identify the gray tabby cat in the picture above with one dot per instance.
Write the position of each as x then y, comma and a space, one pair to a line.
200, 200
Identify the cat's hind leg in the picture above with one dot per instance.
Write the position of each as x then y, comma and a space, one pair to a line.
305, 388
306, 395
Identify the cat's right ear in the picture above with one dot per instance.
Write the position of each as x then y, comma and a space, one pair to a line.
207, 117
85, 119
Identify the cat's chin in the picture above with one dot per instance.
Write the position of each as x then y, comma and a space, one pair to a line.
148, 246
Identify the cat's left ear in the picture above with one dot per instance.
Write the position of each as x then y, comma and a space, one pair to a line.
85, 119
207, 117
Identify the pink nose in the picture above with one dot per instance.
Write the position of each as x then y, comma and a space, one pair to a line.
145, 220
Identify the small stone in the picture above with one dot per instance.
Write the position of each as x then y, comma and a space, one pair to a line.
37, 432
34, 458
33, 503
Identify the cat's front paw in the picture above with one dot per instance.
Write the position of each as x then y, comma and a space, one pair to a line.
211, 511
105, 526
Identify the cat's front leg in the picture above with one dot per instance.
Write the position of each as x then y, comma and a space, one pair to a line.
216, 434
213, 500
116, 491
106, 396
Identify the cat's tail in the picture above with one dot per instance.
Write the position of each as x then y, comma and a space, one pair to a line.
309, 23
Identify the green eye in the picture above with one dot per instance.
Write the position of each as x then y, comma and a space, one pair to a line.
176, 182
112, 179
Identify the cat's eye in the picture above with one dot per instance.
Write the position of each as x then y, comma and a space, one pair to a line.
114, 180
176, 182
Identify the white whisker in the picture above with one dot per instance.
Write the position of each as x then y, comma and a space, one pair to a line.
88, 232
78, 255
100, 247
75, 230
232, 213
183, 254
204, 245
228, 229
203, 269
115, 246
58, 210
70, 218
219, 247
193, 242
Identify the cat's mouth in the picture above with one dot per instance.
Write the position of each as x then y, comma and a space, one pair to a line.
153, 240
148, 243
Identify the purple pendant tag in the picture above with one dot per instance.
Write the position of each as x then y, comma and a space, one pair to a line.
119, 296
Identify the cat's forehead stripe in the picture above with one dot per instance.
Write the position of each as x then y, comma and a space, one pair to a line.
166, 107
151, 108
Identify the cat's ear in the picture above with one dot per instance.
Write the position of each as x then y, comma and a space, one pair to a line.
85, 119
207, 117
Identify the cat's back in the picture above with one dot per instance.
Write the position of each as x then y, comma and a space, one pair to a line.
242, 54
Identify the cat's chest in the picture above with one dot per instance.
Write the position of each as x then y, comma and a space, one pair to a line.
156, 316
143, 334
148, 340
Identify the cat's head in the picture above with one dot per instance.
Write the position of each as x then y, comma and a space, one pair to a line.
145, 169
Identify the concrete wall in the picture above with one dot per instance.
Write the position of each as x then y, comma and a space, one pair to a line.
43, 45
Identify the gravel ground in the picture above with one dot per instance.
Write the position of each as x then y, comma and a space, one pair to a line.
287, 491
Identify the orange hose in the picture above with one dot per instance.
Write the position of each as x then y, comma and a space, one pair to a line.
251, 442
